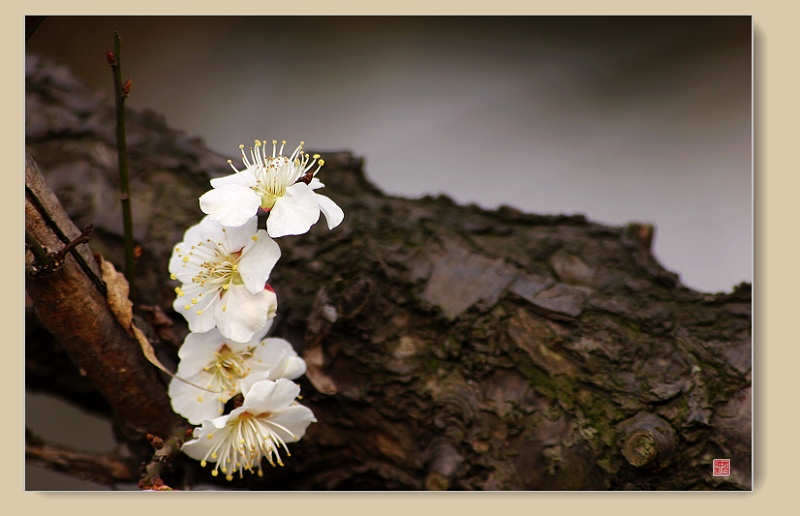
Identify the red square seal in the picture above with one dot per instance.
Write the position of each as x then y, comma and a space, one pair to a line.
722, 467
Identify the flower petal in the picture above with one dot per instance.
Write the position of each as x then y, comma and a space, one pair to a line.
295, 419
290, 367
206, 437
245, 177
195, 404
198, 323
268, 396
177, 265
294, 213
258, 259
237, 238
194, 234
240, 314
199, 350
279, 359
230, 205
333, 213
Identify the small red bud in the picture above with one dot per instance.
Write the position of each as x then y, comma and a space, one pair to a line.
112, 59
155, 441
155, 485
126, 88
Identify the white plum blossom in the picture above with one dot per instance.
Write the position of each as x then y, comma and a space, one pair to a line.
223, 274
211, 361
284, 186
267, 420
223, 263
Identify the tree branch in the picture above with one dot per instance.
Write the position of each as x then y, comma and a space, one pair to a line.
103, 468
71, 304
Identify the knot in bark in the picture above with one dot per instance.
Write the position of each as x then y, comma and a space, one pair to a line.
647, 440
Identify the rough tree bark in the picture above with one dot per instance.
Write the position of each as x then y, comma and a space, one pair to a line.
448, 347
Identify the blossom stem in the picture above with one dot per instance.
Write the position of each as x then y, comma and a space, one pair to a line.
121, 91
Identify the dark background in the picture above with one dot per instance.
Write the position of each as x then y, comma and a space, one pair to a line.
619, 118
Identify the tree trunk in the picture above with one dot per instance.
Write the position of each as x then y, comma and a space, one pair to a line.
448, 347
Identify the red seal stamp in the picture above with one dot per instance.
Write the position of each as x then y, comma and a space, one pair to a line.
722, 467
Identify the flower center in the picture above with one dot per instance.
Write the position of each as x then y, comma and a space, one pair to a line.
228, 368
222, 269
219, 269
247, 439
274, 178
275, 173
212, 268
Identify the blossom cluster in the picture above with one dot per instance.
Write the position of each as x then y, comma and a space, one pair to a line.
223, 265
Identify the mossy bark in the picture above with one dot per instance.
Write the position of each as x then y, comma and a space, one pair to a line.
448, 347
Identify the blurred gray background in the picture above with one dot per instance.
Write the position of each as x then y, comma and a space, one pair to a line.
622, 119
618, 118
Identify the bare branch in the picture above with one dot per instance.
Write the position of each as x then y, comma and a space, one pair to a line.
103, 468
71, 303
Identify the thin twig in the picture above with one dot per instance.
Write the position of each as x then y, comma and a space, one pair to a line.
43, 200
121, 92
48, 263
42, 256
83, 238
165, 451
103, 468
